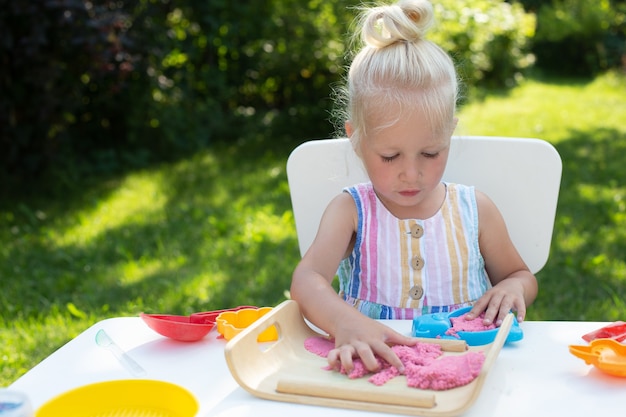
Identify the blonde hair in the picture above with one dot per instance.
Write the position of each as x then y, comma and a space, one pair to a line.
398, 68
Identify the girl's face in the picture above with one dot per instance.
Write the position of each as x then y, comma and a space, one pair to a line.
405, 163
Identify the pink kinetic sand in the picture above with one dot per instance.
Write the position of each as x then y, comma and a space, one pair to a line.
446, 372
461, 324
425, 366
319, 345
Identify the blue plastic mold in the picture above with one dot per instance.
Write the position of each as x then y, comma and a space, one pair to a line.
437, 324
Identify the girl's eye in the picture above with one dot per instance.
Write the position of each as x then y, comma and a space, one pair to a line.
389, 158
430, 155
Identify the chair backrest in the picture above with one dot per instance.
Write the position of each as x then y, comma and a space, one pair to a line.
521, 175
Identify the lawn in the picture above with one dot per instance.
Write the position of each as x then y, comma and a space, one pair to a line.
216, 230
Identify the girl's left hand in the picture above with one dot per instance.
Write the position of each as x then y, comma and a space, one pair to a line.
497, 302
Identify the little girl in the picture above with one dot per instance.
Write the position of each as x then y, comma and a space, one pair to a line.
405, 243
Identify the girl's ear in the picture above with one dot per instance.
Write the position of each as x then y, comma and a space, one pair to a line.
348, 126
349, 131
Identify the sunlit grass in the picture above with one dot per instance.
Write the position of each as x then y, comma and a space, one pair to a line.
549, 110
138, 198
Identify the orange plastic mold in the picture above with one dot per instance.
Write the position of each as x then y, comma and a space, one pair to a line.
231, 323
607, 355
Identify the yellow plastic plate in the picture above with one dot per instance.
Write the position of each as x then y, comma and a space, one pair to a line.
123, 398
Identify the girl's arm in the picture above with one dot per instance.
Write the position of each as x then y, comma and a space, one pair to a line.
354, 333
514, 286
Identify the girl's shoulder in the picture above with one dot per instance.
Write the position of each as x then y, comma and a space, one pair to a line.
342, 206
485, 203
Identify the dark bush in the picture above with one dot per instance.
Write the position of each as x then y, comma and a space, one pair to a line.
97, 87
100, 87
66, 67
579, 37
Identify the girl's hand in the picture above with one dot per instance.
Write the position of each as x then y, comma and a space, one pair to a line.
366, 338
514, 286
506, 296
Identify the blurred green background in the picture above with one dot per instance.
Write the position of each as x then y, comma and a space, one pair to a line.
144, 147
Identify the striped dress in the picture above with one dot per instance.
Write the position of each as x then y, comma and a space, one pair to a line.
400, 269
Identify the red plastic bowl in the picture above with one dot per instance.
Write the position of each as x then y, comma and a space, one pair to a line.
177, 327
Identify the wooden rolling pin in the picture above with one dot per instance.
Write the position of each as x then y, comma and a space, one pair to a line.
315, 389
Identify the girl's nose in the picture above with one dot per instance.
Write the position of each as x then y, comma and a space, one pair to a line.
411, 171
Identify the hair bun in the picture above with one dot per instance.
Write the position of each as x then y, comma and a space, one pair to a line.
404, 21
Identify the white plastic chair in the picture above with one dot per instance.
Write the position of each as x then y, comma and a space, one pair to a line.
521, 175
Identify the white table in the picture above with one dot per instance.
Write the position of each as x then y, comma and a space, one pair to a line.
534, 377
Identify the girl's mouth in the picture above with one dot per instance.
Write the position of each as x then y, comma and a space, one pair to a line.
409, 193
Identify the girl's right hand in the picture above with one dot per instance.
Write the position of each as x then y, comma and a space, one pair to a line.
368, 340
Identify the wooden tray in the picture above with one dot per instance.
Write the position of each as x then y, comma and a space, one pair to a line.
285, 371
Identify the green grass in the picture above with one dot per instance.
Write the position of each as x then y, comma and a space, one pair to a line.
216, 230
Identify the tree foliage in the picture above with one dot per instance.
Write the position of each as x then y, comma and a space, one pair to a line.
95, 87
490, 39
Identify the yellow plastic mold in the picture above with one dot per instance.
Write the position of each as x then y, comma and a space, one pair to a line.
123, 398
231, 323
